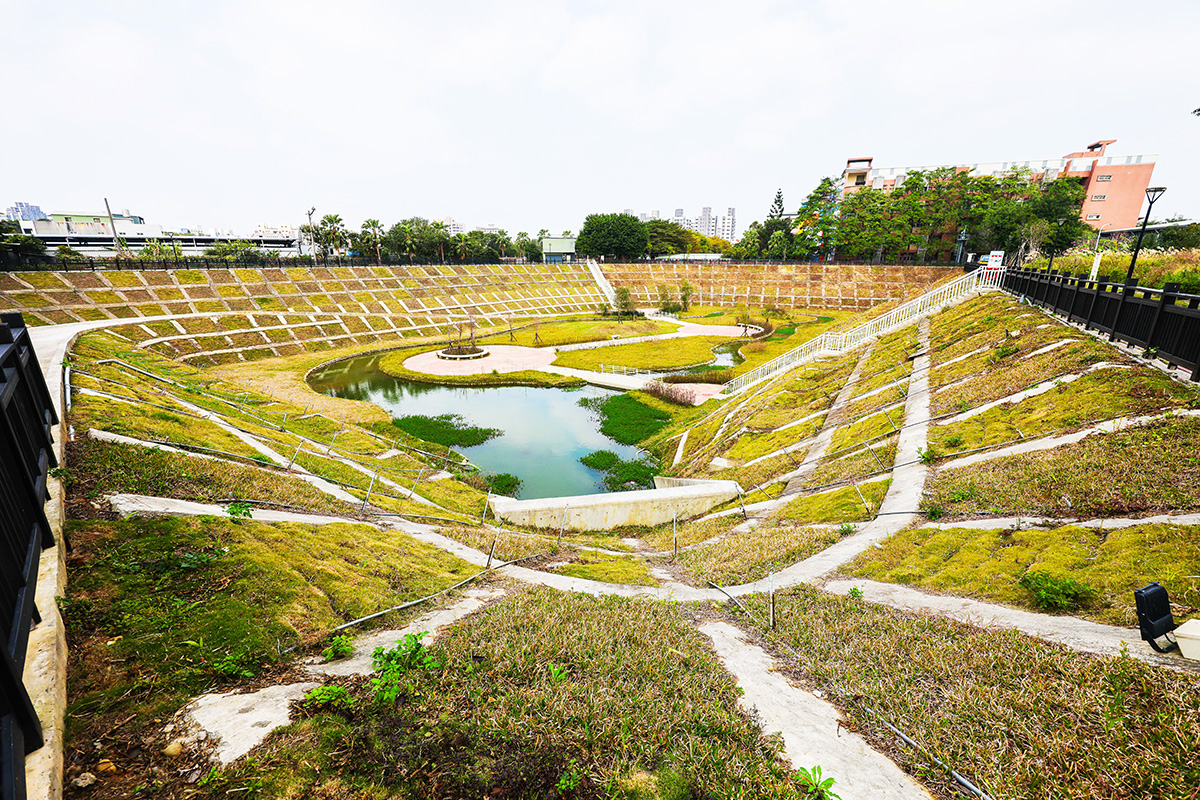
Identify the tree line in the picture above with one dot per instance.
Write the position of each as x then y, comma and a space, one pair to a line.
924, 218
418, 241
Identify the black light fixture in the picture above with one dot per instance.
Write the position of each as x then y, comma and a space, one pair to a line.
1152, 195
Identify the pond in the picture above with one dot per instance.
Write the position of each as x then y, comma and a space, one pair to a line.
546, 430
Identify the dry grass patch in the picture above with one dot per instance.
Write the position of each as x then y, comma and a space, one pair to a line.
1019, 717
1152, 468
748, 556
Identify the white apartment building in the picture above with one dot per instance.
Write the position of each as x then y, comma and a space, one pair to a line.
453, 226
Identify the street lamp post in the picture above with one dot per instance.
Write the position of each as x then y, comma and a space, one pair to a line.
1152, 195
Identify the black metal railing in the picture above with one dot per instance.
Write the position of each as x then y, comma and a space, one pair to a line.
1164, 322
26, 456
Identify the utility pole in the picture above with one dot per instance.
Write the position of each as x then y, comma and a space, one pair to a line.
113, 225
311, 238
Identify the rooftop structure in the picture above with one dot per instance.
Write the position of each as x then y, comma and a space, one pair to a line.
24, 211
1114, 185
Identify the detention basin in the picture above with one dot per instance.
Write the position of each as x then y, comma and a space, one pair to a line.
545, 430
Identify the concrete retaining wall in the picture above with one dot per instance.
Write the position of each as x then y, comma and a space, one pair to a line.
846, 286
601, 512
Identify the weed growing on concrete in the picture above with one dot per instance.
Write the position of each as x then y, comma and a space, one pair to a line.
340, 646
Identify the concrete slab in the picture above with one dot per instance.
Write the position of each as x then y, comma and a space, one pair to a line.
237, 723
432, 623
600, 512
812, 729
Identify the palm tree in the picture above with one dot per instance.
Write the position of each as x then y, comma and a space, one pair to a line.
463, 245
333, 233
503, 242
408, 238
372, 230
440, 236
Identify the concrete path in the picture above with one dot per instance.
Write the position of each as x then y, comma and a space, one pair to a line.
811, 727
138, 505
833, 417
1072, 632
899, 506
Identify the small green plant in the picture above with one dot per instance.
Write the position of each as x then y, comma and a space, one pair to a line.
1055, 592
934, 511
928, 455
846, 528
262, 458
816, 786
409, 655
233, 665
558, 674
238, 509
570, 779
855, 593
1003, 352
339, 647
60, 473
328, 698
954, 440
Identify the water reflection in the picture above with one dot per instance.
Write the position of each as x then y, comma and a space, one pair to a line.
545, 430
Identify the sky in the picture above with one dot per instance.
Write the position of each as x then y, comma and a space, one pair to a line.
530, 114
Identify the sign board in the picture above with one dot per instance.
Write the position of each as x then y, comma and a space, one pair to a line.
995, 258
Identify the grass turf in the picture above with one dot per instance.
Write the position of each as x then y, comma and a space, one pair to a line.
751, 555
1017, 716
657, 355
1104, 475
1107, 564
544, 694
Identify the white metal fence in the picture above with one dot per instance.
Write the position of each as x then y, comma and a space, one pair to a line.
830, 343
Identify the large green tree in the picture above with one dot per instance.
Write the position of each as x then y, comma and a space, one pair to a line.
666, 238
618, 235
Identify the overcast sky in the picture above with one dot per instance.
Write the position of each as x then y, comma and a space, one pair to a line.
533, 114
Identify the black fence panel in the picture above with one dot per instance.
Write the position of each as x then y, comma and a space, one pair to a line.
27, 420
1164, 322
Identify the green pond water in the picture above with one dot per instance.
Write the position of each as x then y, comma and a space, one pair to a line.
545, 430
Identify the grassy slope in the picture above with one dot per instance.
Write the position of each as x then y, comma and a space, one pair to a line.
988, 564
1016, 715
100, 468
160, 610
618, 693
1111, 474
752, 555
